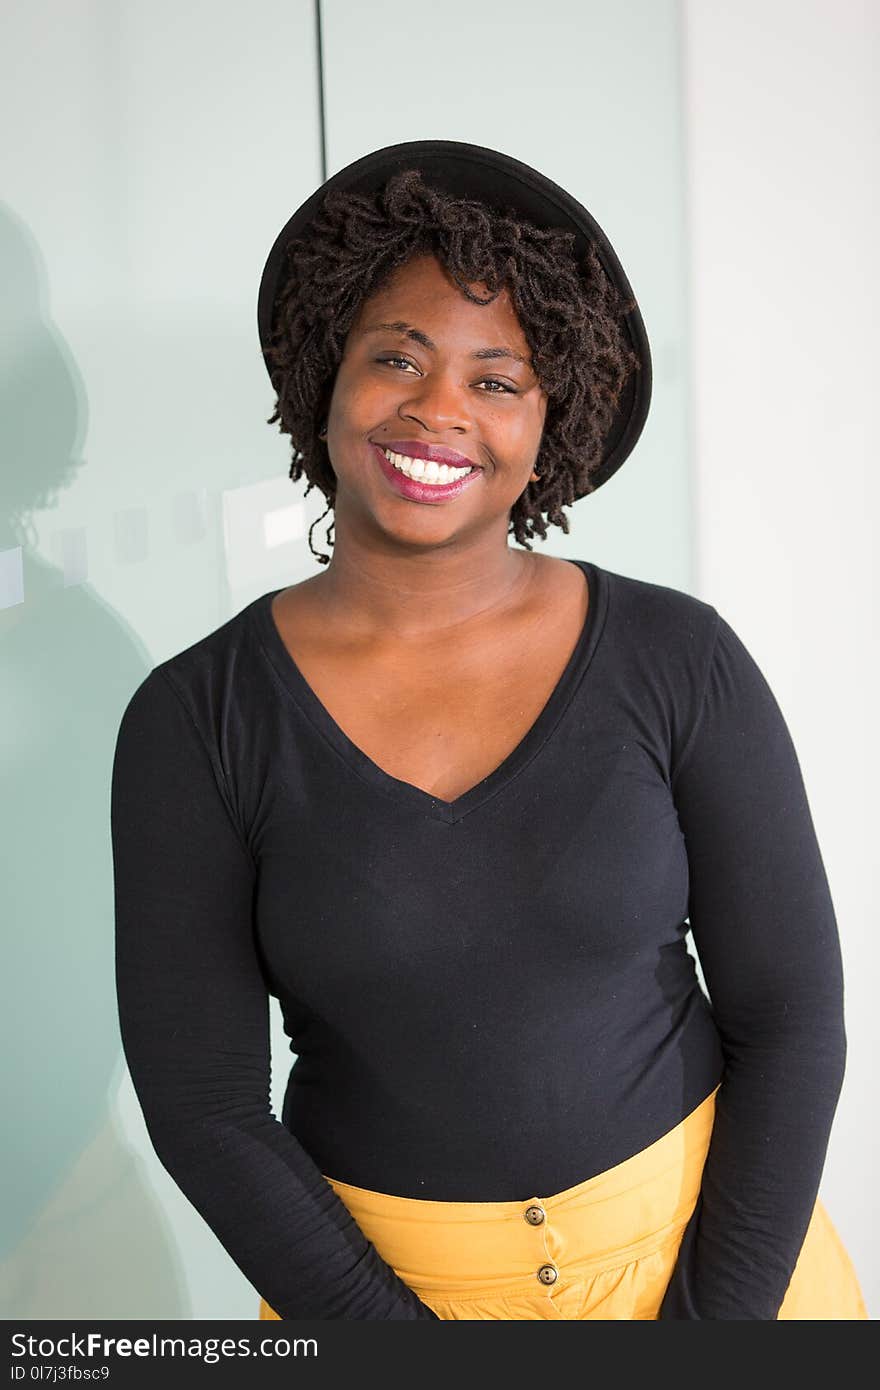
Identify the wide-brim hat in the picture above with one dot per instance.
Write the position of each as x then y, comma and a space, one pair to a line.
501, 182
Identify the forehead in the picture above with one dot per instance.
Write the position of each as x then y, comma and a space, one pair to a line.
423, 288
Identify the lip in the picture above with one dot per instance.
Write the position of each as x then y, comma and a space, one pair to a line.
415, 491
415, 449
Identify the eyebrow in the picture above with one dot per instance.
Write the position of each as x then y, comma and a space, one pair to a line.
407, 330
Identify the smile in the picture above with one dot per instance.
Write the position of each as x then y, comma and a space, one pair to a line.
425, 472
421, 481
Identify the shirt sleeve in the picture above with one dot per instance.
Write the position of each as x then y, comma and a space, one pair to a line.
764, 927
194, 1017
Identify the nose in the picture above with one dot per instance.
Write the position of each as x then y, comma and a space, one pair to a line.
436, 403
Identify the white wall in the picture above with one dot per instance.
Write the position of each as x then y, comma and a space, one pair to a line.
782, 115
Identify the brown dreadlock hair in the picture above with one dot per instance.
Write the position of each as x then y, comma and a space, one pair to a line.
570, 312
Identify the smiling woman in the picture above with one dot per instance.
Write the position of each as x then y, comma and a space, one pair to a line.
456, 806
438, 389
505, 289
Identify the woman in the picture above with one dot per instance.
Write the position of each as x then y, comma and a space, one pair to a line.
456, 805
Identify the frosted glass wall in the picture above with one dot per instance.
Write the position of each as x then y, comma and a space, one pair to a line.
151, 154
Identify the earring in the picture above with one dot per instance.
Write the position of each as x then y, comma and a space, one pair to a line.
322, 433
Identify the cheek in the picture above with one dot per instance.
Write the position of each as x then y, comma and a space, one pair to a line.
522, 433
361, 401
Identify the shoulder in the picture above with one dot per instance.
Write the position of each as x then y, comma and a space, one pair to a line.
656, 617
194, 685
646, 600
215, 653
202, 707
678, 622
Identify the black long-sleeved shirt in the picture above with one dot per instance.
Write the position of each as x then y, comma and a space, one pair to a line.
487, 998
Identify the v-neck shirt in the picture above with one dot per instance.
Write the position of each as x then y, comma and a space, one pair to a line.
486, 998
406, 793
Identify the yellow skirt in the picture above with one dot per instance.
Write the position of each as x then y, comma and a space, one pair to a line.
603, 1249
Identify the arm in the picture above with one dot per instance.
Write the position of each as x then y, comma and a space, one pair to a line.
194, 1018
765, 930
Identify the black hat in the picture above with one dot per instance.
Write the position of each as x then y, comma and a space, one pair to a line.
498, 180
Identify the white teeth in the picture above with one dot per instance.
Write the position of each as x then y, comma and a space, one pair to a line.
429, 472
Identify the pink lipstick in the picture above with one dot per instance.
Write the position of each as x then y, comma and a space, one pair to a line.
417, 491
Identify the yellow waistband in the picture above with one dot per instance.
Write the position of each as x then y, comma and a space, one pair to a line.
622, 1213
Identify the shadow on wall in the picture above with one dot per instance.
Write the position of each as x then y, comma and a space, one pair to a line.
82, 1233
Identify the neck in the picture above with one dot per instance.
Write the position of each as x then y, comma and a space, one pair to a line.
411, 593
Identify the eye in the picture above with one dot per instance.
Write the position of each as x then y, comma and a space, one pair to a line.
390, 360
492, 381
505, 386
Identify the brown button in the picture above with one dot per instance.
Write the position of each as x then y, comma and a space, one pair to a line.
548, 1274
534, 1214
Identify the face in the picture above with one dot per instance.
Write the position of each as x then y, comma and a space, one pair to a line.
449, 377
